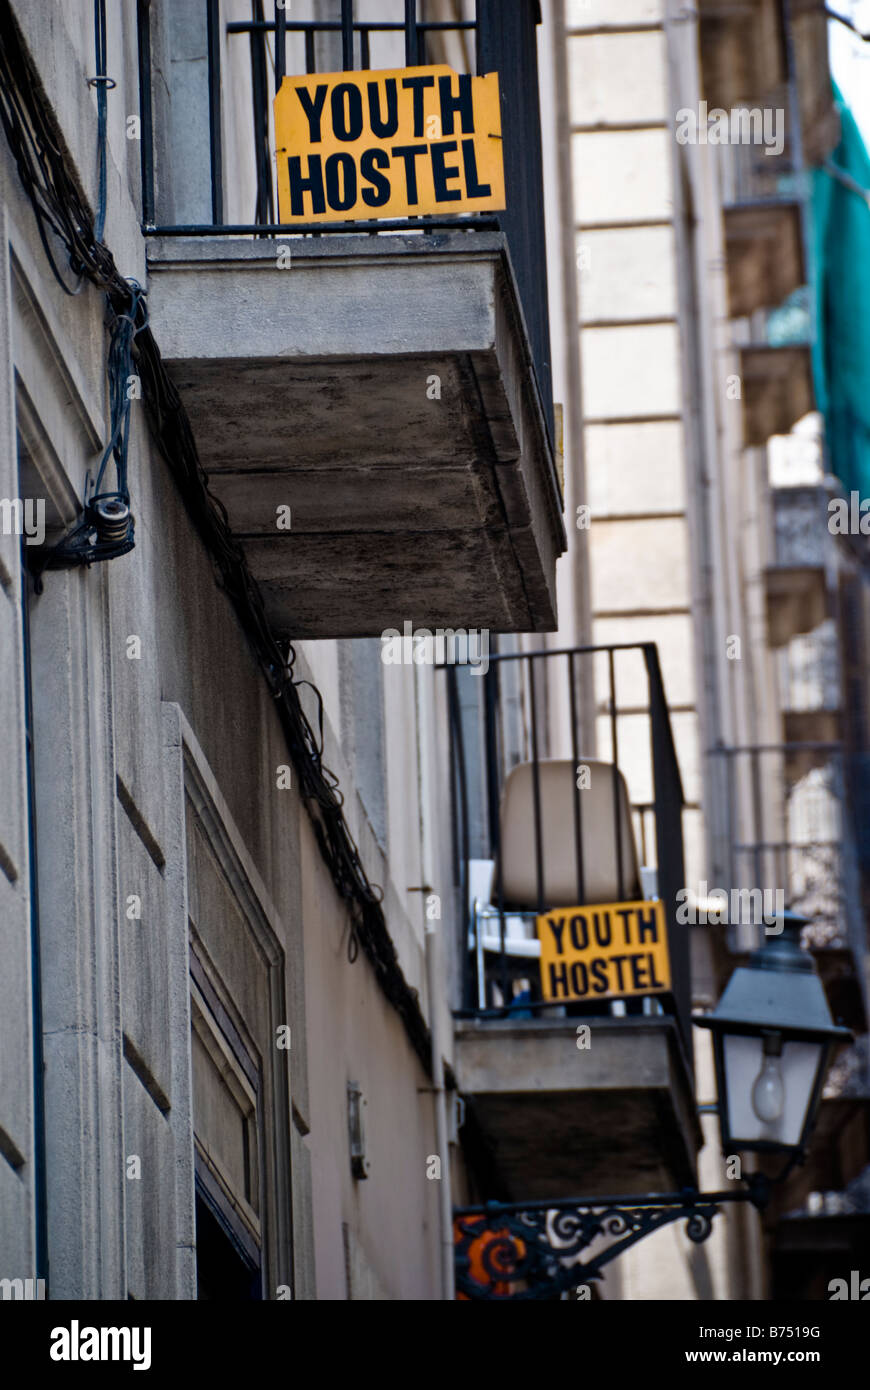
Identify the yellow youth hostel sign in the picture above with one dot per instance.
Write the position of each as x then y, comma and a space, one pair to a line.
404, 143
608, 952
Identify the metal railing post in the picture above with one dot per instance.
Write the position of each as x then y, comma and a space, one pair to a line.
575, 756
507, 44
146, 114
617, 807
458, 760
758, 827
260, 92
347, 35
536, 789
214, 112
280, 43
412, 40
493, 796
668, 792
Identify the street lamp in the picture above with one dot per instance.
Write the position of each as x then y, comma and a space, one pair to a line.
773, 1039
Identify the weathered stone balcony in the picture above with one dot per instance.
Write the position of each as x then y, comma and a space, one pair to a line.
744, 50
761, 187
764, 251
777, 389
618, 1116
382, 388
741, 49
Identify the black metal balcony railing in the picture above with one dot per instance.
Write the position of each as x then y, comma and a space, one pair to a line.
522, 694
801, 537
810, 673
761, 161
501, 38
790, 829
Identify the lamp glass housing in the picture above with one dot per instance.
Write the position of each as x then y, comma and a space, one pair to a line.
744, 1062
773, 1039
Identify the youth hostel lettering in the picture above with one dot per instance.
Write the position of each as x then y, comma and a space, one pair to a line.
612, 951
403, 143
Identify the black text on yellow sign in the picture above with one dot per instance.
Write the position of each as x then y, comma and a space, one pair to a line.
402, 143
607, 952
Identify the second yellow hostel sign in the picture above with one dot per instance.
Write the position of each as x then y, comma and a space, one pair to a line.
405, 143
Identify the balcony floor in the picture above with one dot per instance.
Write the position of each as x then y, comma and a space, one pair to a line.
764, 246
777, 389
797, 601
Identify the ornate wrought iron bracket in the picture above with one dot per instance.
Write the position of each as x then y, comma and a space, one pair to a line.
534, 1250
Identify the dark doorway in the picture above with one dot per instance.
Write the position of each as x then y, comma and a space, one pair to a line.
223, 1272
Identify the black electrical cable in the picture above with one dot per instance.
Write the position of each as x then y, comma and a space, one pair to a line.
101, 82
107, 529
62, 212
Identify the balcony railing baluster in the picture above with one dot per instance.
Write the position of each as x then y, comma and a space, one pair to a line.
146, 112
216, 157
798, 830
536, 789
280, 45
260, 93
347, 35
575, 759
412, 49
614, 744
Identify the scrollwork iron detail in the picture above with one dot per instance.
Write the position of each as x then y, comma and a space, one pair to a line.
512, 1251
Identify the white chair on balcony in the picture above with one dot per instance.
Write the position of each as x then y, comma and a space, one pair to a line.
598, 804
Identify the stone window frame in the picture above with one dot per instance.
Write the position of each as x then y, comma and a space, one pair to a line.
213, 1182
190, 781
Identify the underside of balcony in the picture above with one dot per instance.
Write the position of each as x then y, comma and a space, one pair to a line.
764, 248
382, 389
741, 49
744, 46
797, 601
800, 757
777, 389
556, 1120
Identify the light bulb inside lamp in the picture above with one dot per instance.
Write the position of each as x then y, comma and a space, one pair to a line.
768, 1091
